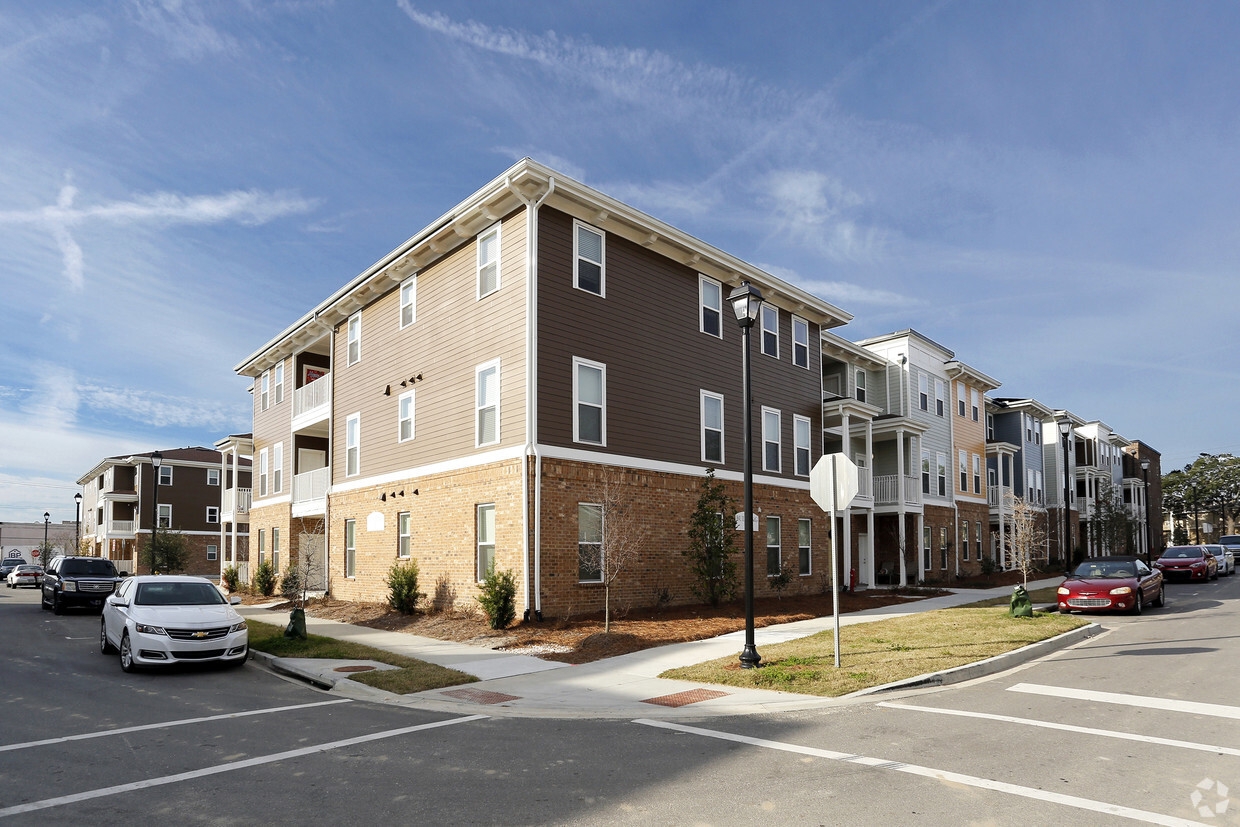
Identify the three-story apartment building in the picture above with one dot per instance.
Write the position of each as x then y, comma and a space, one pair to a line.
1015, 469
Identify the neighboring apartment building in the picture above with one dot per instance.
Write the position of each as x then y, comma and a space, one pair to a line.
1143, 494
465, 401
1059, 438
120, 498
1015, 468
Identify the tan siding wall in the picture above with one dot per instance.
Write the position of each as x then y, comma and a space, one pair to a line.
453, 334
272, 426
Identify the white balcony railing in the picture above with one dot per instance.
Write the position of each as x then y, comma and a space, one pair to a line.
121, 526
315, 395
887, 490
237, 500
311, 485
865, 484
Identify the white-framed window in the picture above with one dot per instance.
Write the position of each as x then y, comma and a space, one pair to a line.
404, 417
943, 542
403, 534
213, 514
279, 383
408, 301
992, 477
942, 458
1028, 427
350, 548
975, 403
769, 316
978, 537
353, 445
488, 261
264, 395
940, 401
923, 391
590, 543
800, 342
927, 541
165, 515
710, 298
213, 476
990, 427
800, 444
355, 338
1040, 482
277, 468
773, 551
165, 475
925, 472
804, 558
860, 382
485, 521
589, 262
960, 399
964, 540
770, 440
263, 471
486, 403
712, 427
964, 471
977, 474
275, 550
262, 544
213, 551
1029, 492
589, 402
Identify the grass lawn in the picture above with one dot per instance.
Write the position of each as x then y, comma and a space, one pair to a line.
1040, 597
413, 675
876, 653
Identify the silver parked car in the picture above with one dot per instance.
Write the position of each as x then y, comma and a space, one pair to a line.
1226, 559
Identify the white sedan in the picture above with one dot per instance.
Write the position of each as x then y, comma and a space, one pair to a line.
25, 576
160, 619
1226, 560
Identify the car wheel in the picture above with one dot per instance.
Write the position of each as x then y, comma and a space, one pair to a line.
1137, 605
105, 648
1162, 596
58, 608
43, 600
127, 664
1215, 577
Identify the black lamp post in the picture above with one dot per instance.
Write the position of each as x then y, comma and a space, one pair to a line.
1065, 429
1149, 543
77, 519
156, 459
47, 518
746, 301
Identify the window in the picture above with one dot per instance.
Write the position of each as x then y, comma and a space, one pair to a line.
800, 444
964, 540
265, 392
262, 472
1041, 489
486, 539
992, 477
927, 539
408, 301
800, 343
974, 399
589, 272
486, 403
803, 546
404, 430
1037, 432
773, 563
960, 398
977, 474
213, 514
275, 549
712, 427
277, 468
925, 472
942, 458
710, 296
770, 440
353, 445
589, 543
923, 391
488, 262
978, 525
943, 544
213, 476
213, 552
355, 338
990, 427
165, 515
1028, 427
939, 393
279, 383
860, 386
590, 395
402, 534
262, 544
350, 547
770, 330
964, 472
165, 475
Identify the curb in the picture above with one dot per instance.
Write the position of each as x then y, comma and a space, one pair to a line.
271, 662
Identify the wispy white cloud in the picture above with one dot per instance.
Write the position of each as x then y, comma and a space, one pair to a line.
818, 211
183, 26
842, 293
160, 410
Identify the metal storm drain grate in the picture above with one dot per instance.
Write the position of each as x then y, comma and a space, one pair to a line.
353, 669
480, 696
690, 696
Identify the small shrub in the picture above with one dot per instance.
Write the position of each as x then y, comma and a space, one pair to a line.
290, 584
265, 579
445, 595
989, 567
499, 597
782, 580
231, 578
402, 583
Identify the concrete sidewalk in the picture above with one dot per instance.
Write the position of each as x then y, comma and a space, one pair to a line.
627, 686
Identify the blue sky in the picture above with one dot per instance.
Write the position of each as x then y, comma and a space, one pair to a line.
1049, 189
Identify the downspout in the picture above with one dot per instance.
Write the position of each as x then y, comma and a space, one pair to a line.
533, 586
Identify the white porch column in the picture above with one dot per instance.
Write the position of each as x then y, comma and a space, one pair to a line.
919, 541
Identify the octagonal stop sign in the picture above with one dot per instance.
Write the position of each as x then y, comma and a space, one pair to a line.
833, 482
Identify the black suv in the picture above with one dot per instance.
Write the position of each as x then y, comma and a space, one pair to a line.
78, 581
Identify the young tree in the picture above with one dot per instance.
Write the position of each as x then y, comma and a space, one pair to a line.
1112, 526
166, 553
1026, 538
607, 550
712, 552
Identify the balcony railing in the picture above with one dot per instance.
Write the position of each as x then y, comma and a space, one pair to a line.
865, 483
315, 395
121, 526
887, 490
311, 485
237, 500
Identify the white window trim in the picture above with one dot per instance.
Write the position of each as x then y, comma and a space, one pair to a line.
779, 546
357, 446
977, 473
796, 446
277, 468
400, 404
779, 425
940, 397
975, 403
160, 515
964, 471
923, 392
264, 391
216, 472
860, 382
264, 468
350, 551
703, 395
703, 306
809, 557
797, 321
578, 362
210, 509
278, 384
350, 338
402, 536
410, 284
494, 228
602, 265
602, 561
162, 469
961, 399
479, 572
763, 331
478, 406
941, 459
213, 551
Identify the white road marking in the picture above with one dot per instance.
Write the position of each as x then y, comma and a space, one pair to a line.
220, 768
937, 775
1143, 701
1106, 733
105, 732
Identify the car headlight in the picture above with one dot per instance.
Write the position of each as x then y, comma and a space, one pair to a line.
237, 627
1122, 590
149, 630
68, 586
1064, 590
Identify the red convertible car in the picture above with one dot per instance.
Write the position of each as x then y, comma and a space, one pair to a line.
1123, 584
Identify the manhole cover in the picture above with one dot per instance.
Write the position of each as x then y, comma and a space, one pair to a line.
354, 668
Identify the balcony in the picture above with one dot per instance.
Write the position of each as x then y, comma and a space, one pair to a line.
236, 503
120, 529
887, 490
312, 404
865, 484
310, 491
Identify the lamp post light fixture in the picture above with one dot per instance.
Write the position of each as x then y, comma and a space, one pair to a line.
156, 460
47, 519
1149, 544
746, 301
77, 519
1065, 429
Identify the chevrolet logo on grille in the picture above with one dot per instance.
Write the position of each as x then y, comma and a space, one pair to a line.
199, 634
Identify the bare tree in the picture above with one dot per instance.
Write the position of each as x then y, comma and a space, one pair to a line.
1026, 538
611, 536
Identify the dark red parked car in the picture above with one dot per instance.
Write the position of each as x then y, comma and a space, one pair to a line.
1188, 563
1102, 584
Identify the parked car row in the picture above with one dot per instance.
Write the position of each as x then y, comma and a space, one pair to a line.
1126, 584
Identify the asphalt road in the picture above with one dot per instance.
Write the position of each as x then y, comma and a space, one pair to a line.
1122, 728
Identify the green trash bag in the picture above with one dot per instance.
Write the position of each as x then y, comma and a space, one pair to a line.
296, 625
1021, 605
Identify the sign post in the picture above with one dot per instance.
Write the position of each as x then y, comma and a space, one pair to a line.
833, 485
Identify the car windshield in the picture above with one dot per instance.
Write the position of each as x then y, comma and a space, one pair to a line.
1182, 553
1230, 539
1106, 569
14, 562
178, 594
77, 568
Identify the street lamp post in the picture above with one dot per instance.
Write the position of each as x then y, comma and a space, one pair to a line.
156, 459
1149, 544
746, 301
77, 519
47, 518
1065, 429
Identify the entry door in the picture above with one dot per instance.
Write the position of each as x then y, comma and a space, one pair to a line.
863, 557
